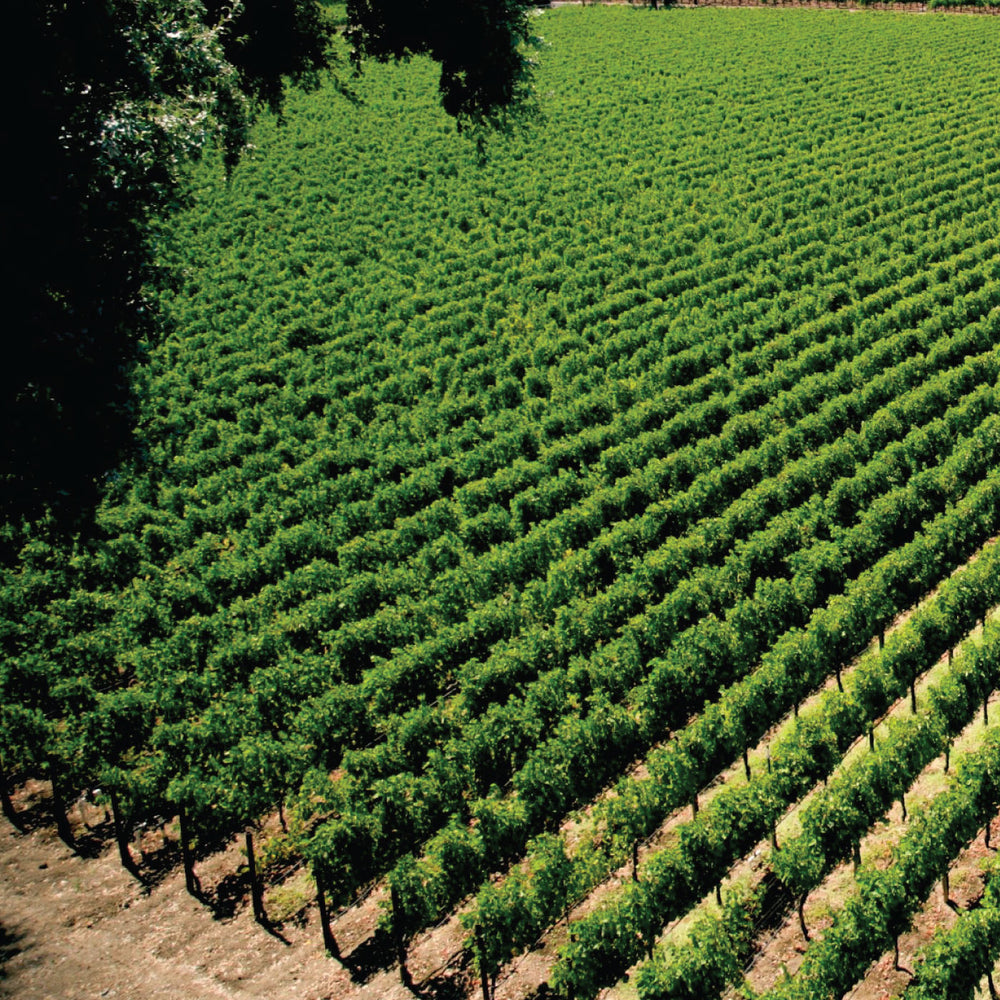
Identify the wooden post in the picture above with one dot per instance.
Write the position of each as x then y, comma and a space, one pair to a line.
329, 941
871, 738
913, 694
881, 639
947, 758
802, 915
857, 856
694, 805
190, 878
481, 949
986, 836
59, 807
746, 763
122, 833
986, 710
256, 889
635, 860
774, 835
397, 933
946, 888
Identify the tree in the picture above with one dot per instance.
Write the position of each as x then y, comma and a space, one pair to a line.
112, 99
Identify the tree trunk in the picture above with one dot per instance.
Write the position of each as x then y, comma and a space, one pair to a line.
397, 933
768, 760
947, 758
774, 835
857, 857
802, 915
986, 836
190, 878
951, 655
718, 893
329, 941
895, 953
59, 807
694, 805
122, 834
746, 763
946, 888
281, 817
990, 984
913, 695
256, 889
881, 639
840, 683
635, 860
986, 710
902, 802
871, 738
5, 801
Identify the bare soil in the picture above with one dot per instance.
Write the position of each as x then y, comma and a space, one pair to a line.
81, 927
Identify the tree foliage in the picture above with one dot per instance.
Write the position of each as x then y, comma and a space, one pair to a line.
114, 98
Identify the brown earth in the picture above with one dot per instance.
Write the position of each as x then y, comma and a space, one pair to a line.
75, 927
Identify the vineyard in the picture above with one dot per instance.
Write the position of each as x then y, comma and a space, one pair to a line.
516, 543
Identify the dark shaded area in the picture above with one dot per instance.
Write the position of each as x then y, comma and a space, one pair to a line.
377, 953
485, 75
374, 954
228, 895
452, 982
111, 99
89, 842
92, 167
9, 947
775, 905
73, 311
268, 41
156, 866
34, 813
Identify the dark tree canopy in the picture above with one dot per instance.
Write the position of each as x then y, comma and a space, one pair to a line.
113, 98
480, 45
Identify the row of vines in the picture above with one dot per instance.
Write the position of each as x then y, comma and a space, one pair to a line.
472, 498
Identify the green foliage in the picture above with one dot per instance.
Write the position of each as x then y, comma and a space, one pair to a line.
887, 898
116, 99
713, 957
459, 488
955, 962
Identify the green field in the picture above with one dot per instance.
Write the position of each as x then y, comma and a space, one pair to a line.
462, 486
